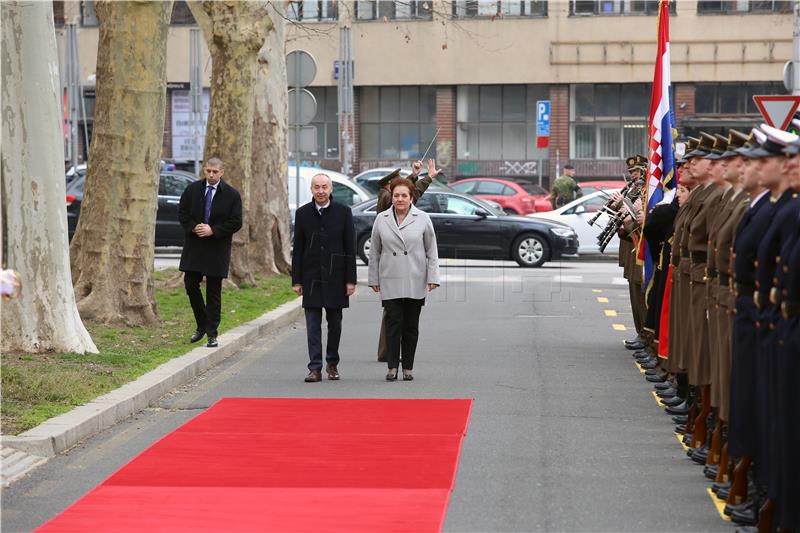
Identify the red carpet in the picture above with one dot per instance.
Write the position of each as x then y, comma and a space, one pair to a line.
287, 465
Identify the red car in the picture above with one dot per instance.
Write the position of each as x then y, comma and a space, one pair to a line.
516, 198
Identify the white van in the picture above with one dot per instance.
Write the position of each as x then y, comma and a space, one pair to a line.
345, 191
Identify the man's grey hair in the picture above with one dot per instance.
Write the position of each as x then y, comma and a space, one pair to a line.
215, 162
323, 175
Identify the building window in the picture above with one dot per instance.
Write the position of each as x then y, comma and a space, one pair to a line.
494, 8
732, 98
58, 12
394, 10
327, 123
498, 122
727, 7
181, 14
608, 121
616, 7
397, 122
311, 10
88, 16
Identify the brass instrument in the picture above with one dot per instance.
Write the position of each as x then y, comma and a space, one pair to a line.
633, 192
610, 206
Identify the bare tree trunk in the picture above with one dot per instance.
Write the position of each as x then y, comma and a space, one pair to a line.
113, 247
235, 32
45, 316
269, 202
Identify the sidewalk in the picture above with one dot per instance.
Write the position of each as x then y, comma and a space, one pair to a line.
22, 453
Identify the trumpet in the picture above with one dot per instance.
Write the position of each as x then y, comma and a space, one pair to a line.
615, 222
610, 206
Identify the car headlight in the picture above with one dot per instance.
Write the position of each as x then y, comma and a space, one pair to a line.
564, 232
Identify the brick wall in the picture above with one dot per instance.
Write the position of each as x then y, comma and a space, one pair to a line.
684, 102
559, 127
446, 120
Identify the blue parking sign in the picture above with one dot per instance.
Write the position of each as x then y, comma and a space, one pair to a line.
543, 118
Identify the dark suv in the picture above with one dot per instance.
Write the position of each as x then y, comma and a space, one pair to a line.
170, 188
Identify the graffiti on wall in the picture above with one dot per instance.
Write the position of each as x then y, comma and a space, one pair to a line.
443, 151
519, 168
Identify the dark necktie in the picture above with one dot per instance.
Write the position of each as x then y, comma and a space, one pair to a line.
207, 204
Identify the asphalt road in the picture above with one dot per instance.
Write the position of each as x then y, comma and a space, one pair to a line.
564, 435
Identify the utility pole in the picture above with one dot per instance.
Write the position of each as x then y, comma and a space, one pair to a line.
345, 92
195, 94
795, 70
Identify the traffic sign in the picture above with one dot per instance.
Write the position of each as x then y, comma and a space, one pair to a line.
542, 123
301, 69
777, 110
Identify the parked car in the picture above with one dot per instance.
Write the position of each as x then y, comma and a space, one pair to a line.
369, 178
468, 228
345, 191
589, 187
514, 197
170, 187
577, 215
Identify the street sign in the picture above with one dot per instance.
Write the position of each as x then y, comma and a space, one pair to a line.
338, 66
307, 137
302, 107
777, 110
542, 123
301, 69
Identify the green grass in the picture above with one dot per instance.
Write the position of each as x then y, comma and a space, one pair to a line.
36, 387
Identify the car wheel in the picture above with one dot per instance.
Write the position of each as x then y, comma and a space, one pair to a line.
363, 248
530, 250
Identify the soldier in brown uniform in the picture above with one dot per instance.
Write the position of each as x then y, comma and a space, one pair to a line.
699, 361
632, 271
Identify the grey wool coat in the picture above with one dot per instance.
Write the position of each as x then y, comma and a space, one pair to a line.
403, 260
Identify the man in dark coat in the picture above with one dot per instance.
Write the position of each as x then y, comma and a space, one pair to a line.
323, 271
210, 212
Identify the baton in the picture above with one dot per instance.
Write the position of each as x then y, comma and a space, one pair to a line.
431, 144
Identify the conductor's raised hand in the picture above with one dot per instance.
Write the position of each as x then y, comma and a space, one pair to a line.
432, 170
416, 167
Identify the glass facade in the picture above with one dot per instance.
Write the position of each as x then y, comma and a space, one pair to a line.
397, 122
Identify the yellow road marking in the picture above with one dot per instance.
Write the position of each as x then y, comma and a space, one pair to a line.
640, 369
597, 290
610, 312
618, 327
658, 400
602, 299
719, 504
680, 439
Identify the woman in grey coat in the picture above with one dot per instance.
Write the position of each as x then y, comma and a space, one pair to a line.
403, 266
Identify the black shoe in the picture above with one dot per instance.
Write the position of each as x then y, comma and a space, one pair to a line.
672, 402
212, 341
687, 439
716, 487
730, 509
746, 529
680, 409
197, 335
723, 493
700, 456
680, 419
746, 516
332, 371
658, 380
641, 355
650, 364
667, 393
711, 471
666, 384
635, 344
680, 428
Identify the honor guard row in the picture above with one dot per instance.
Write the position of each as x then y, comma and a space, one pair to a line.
718, 325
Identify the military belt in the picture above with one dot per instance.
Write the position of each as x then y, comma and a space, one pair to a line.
790, 309
698, 257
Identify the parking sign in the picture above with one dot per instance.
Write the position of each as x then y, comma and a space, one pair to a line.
542, 123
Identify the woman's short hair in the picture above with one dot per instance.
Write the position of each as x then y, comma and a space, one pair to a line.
405, 182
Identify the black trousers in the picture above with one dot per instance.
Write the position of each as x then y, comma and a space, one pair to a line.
314, 335
206, 314
402, 330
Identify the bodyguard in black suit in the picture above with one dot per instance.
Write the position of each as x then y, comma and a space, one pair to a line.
323, 271
210, 212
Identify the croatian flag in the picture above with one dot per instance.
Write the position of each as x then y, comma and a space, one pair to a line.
661, 147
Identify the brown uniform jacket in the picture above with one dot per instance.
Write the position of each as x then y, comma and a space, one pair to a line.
385, 197
697, 242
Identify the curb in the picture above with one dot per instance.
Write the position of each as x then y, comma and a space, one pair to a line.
64, 431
